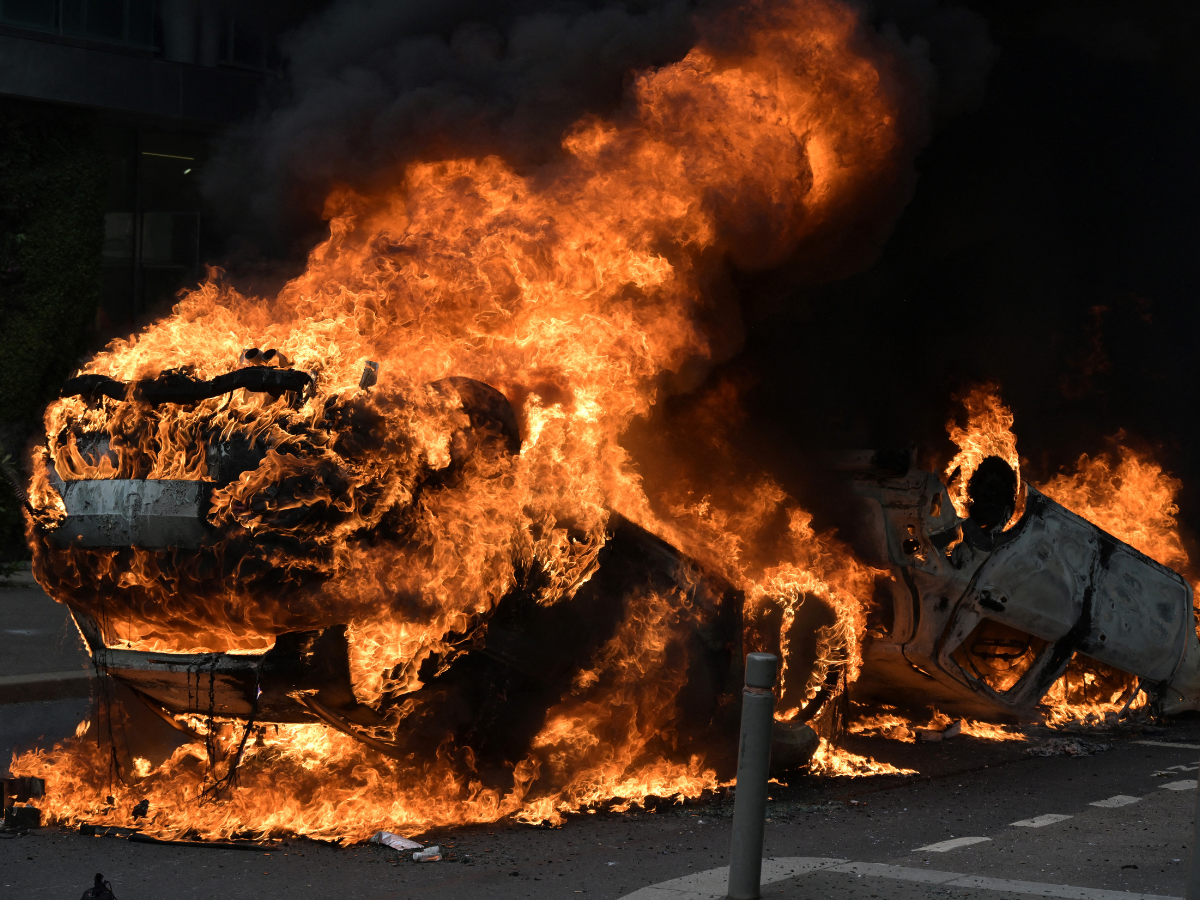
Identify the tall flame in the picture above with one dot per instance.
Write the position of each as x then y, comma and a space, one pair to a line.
987, 432
1123, 491
575, 289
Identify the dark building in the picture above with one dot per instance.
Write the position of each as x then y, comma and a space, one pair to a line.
108, 111
162, 77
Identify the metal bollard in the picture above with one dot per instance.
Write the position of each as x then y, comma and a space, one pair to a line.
754, 760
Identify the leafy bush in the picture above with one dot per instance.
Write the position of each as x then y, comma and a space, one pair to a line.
52, 188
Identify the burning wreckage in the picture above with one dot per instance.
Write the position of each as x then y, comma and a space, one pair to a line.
491, 682
384, 594
982, 616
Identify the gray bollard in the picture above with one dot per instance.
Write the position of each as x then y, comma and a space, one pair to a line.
754, 761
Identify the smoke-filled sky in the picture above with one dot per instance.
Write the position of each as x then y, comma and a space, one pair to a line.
1051, 245
1049, 242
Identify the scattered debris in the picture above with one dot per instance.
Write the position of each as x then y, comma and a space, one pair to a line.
429, 854
101, 890
136, 837
1068, 747
22, 817
932, 734
21, 790
394, 841
105, 830
142, 809
370, 375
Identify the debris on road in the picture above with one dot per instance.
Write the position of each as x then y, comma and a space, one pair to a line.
21, 790
429, 854
932, 734
100, 890
20, 817
388, 839
1068, 747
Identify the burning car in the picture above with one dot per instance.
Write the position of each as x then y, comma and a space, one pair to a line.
986, 611
399, 568
260, 511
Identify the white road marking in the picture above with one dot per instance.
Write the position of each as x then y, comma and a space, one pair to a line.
953, 844
713, 884
1041, 821
1167, 745
1119, 800
900, 873
1046, 890
1186, 785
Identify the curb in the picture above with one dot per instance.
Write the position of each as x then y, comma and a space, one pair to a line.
46, 686
22, 578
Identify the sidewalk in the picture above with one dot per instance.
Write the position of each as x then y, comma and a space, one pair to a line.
45, 673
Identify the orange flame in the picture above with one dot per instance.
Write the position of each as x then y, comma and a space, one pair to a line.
575, 289
1123, 491
831, 760
1128, 494
895, 727
988, 432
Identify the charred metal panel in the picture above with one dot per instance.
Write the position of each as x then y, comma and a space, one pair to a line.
268, 687
1054, 578
152, 513
1060, 572
217, 684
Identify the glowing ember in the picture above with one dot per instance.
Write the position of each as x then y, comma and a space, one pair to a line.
895, 727
831, 760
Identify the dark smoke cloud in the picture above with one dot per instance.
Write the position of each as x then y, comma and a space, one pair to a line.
950, 43
373, 83
1050, 246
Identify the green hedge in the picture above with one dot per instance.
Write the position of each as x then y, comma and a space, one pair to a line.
52, 187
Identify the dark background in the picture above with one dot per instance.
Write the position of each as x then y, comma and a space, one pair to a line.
1050, 245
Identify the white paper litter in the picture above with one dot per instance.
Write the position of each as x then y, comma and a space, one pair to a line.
394, 841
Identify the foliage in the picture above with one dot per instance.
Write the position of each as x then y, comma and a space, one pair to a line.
52, 184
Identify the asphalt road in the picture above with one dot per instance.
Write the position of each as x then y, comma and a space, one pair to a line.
967, 789
1034, 822
36, 634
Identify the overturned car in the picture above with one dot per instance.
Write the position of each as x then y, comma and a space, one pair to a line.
356, 559
983, 614
255, 547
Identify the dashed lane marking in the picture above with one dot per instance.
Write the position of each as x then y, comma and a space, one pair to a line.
714, 884
953, 844
1047, 890
1118, 800
1188, 784
1041, 821
1167, 745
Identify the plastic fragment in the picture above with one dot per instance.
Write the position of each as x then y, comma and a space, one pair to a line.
394, 841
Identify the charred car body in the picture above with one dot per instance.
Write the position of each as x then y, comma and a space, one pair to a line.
979, 619
984, 614
489, 681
